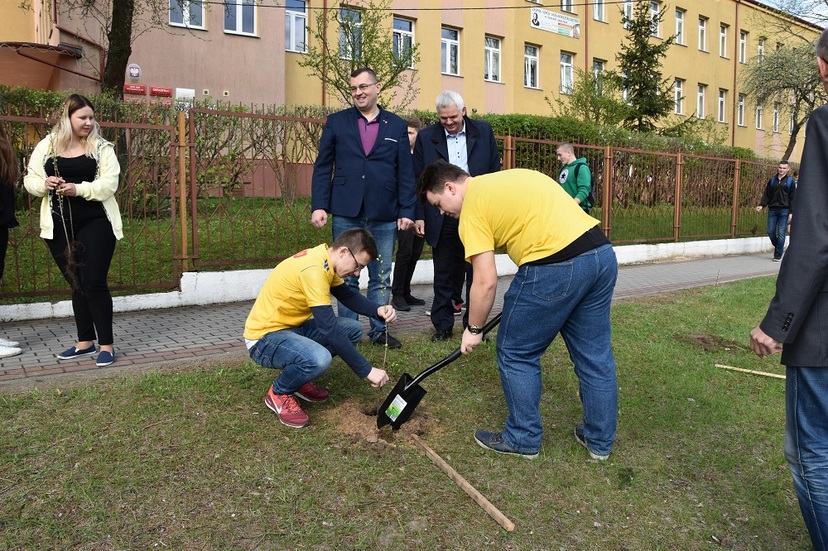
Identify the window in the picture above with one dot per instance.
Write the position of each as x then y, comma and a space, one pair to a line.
679, 97
703, 34
679, 26
187, 13
742, 47
740, 110
702, 91
566, 5
566, 73
760, 49
655, 10
450, 51
296, 24
722, 40
598, 66
721, 112
628, 11
491, 69
531, 61
598, 10
350, 32
759, 116
240, 16
403, 39
776, 116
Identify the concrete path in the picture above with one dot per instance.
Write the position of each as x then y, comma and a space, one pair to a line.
208, 334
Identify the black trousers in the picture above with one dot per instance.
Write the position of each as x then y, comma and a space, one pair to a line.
93, 250
409, 249
450, 268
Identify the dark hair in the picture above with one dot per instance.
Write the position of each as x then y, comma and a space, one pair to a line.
783, 162
357, 239
414, 122
356, 72
822, 46
9, 163
435, 175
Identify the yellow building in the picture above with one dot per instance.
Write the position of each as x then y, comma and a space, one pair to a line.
505, 56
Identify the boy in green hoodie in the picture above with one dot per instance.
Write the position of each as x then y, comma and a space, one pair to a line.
575, 176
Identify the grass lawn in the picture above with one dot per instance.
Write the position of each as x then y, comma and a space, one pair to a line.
194, 460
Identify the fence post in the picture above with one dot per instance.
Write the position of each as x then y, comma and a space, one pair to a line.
606, 196
508, 152
677, 210
182, 189
734, 210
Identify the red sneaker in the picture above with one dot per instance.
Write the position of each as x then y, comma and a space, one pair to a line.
311, 393
287, 408
458, 309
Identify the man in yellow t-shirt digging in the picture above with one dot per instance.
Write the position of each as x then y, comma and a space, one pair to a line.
292, 326
564, 284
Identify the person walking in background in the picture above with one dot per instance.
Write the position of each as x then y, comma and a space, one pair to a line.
564, 283
470, 145
292, 326
364, 177
76, 173
778, 197
409, 247
575, 176
796, 324
9, 173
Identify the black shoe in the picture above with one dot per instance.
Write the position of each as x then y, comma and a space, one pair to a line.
384, 338
440, 336
496, 443
579, 436
400, 304
414, 301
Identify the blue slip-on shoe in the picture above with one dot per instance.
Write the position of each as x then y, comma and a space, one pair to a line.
71, 353
105, 358
579, 436
496, 443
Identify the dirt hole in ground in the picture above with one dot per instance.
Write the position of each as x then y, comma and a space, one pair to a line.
359, 421
710, 342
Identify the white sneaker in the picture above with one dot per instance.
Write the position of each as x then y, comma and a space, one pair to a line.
6, 342
8, 351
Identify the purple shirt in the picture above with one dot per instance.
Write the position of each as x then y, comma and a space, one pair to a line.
368, 132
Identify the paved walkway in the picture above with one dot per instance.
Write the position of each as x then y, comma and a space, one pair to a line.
190, 335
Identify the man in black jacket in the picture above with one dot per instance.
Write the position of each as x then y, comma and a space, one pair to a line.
798, 320
778, 197
471, 145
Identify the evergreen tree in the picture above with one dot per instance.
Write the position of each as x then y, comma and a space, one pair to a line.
649, 96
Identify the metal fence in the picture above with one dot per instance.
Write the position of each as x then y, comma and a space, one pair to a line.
223, 190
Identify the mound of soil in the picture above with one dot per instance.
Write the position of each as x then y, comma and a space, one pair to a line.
360, 423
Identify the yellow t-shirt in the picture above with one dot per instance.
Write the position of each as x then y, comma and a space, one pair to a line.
292, 288
523, 210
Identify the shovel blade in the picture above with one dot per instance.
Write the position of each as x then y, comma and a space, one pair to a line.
400, 403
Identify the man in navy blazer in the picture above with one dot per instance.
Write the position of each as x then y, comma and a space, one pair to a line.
471, 145
364, 178
796, 324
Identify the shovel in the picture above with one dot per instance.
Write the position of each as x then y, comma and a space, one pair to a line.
407, 393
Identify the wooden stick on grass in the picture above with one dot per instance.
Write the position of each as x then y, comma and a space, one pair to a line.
763, 373
479, 498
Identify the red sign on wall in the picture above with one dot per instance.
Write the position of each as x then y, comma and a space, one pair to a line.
162, 91
138, 89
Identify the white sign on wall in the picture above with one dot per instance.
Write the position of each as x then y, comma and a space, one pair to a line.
557, 23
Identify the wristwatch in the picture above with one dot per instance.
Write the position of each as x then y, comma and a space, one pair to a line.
475, 329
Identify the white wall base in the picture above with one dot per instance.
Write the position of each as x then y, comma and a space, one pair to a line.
203, 288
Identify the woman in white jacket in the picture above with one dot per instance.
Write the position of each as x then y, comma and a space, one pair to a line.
76, 172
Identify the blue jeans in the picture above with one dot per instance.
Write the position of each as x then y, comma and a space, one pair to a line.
777, 229
806, 445
379, 271
571, 297
298, 354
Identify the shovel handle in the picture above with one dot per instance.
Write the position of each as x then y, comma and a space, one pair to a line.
453, 356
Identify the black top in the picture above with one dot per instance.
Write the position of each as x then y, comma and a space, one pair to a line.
74, 170
7, 195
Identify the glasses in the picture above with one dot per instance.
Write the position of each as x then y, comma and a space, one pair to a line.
359, 266
362, 88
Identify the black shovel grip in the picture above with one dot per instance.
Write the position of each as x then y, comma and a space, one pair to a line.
453, 356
